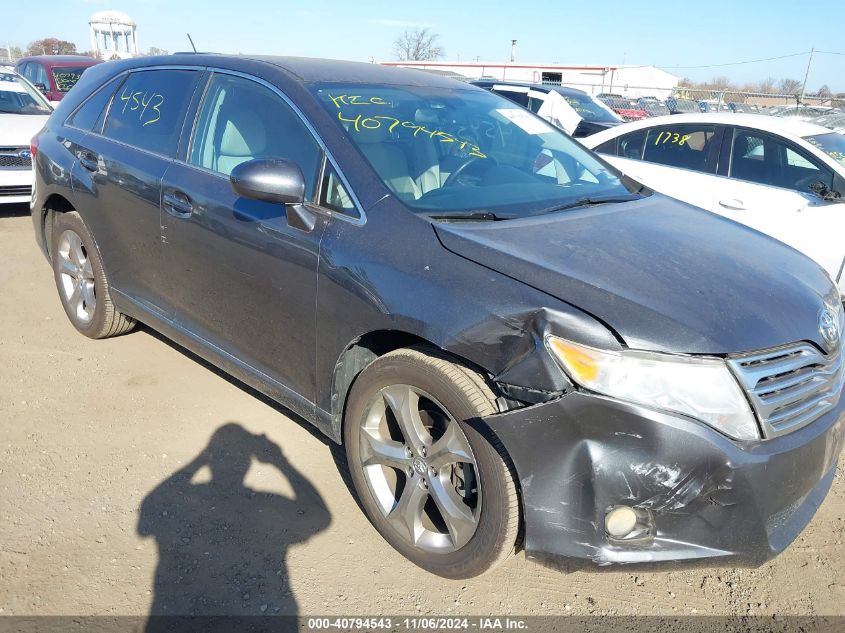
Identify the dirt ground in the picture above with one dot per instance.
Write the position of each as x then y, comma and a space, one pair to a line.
135, 478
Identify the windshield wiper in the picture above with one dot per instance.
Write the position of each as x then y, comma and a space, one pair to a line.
474, 216
588, 201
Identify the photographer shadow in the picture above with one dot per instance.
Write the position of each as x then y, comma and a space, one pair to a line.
222, 546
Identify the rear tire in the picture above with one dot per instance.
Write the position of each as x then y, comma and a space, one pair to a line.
408, 446
81, 281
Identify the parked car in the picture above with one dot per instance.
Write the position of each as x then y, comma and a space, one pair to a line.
743, 108
780, 176
628, 109
23, 111
678, 105
653, 107
54, 75
573, 111
834, 121
806, 112
510, 339
712, 105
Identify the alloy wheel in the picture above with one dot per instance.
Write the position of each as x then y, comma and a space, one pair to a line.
76, 276
420, 469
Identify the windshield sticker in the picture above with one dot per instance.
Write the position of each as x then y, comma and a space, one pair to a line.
525, 121
361, 123
671, 137
143, 100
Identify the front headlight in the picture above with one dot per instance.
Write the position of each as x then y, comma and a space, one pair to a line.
702, 388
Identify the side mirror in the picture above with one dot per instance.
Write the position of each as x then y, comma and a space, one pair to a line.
271, 180
41, 88
824, 192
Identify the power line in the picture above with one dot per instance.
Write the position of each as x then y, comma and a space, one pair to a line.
829, 53
748, 61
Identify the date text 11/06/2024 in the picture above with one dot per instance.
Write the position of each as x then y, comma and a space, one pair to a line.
417, 623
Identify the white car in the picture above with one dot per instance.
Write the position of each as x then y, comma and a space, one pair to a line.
784, 177
23, 111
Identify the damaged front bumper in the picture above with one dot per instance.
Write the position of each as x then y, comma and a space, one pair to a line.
701, 494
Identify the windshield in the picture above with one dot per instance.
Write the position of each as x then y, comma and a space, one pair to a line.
462, 151
18, 97
589, 110
832, 144
66, 77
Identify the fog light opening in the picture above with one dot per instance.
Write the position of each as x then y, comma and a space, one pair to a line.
620, 521
624, 523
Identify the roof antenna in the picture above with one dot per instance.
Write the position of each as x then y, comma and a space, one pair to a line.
192, 42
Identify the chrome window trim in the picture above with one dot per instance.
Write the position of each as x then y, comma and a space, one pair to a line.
359, 221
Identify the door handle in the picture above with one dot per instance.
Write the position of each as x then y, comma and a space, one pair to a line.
733, 203
88, 160
178, 203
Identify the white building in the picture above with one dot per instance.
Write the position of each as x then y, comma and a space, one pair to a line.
629, 81
113, 35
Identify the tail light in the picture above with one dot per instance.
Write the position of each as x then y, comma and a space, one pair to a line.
33, 147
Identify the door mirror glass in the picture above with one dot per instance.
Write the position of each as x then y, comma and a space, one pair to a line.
270, 180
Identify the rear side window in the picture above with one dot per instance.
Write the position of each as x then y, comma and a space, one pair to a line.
90, 112
241, 120
685, 146
608, 147
149, 109
631, 145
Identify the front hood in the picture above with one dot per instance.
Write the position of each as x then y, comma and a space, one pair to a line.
663, 275
16, 130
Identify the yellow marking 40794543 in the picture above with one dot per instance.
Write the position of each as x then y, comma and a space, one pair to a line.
360, 122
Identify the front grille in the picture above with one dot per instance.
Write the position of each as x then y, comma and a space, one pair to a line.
791, 386
17, 190
10, 158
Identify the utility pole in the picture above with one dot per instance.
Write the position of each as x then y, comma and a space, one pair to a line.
513, 51
807, 74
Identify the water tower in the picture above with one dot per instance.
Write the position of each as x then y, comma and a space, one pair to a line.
113, 35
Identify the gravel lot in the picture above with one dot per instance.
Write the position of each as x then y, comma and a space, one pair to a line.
134, 478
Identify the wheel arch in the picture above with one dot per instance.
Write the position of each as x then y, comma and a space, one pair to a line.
363, 350
54, 204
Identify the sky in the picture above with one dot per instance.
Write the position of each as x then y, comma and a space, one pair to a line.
672, 35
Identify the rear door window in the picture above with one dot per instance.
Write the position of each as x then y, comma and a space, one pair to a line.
149, 109
92, 111
684, 146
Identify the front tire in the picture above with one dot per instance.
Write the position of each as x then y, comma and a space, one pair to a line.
438, 490
81, 281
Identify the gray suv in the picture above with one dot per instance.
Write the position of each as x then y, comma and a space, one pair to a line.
518, 346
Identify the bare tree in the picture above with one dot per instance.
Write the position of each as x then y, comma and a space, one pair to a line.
767, 85
51, 46
789, 86
155, 50
418, 44
824, 92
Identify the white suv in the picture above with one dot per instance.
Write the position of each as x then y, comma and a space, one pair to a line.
23, 111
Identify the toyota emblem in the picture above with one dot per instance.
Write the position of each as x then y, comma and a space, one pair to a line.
829, 327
